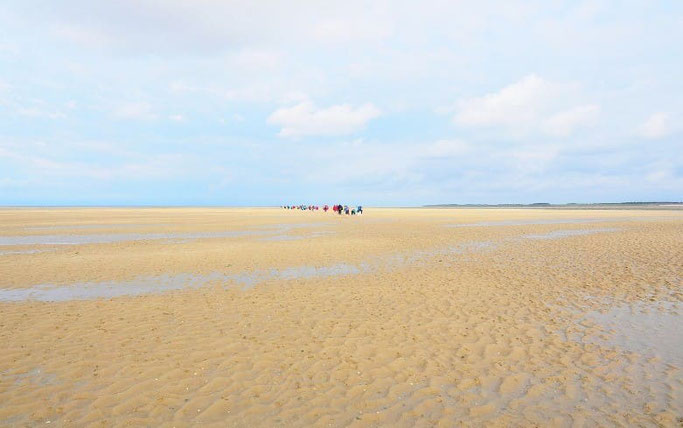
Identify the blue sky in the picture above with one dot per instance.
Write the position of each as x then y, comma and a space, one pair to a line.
381, 103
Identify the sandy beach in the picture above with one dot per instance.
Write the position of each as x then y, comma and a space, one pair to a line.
399, 317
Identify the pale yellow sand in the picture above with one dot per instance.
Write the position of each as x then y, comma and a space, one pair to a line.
436, 329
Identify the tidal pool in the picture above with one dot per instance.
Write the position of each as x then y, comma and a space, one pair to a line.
649, 328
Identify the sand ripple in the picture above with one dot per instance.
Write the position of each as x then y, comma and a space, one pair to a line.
520, 332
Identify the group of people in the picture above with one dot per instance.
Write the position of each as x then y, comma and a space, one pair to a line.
338, 208
344, 209
301, 207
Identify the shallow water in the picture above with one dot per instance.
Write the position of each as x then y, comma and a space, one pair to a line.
536, 222
102, 238
297, 237
653, 329
96, 226
33, 251
319, 271
568, 232
164, 283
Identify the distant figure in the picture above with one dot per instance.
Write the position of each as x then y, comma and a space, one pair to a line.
346, 209
353, 211
359, 210
325, 208
339, 209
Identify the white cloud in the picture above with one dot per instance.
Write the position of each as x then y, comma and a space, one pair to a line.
305, 119
36, 112
135, 166
513, 105
237, 118
445, 149
261, 92
564, 123
137, 110
10, 183
351, 29
254, 59
532, 160
181, 87
8, 48
90, 37
658, 125
177, 117
532, 105
215, 58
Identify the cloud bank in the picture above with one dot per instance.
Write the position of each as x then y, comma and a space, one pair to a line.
305, 119
239, 102
531, 105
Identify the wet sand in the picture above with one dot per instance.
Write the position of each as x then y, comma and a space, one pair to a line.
399, 317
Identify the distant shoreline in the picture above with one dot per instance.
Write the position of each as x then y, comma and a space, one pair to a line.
569, 206
595, 206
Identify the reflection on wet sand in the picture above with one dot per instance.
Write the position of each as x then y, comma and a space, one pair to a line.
650, 327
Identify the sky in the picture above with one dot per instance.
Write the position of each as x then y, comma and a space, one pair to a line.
207, 102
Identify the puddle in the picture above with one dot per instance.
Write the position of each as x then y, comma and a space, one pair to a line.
651, 329
164, 283
106, 238
568, 232
35, 376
